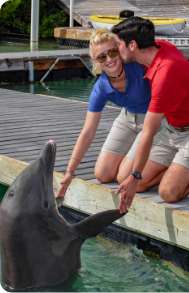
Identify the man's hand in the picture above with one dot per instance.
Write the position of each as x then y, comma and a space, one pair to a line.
64, 184
127, 190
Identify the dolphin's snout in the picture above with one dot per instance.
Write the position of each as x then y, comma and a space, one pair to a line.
51, 143
48, 154
50, 147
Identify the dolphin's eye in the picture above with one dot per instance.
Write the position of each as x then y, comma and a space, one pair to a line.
46, 204
11, 193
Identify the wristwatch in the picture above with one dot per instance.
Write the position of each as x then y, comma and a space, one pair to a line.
137, 175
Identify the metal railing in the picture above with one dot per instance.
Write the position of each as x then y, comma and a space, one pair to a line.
177, 41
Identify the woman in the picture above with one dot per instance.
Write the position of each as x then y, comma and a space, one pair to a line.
123, 85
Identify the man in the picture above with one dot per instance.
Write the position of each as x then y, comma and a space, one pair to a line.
168, 73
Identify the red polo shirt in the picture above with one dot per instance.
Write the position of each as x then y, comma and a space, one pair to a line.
169, 78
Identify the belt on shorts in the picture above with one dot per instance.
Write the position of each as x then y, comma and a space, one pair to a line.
182, 129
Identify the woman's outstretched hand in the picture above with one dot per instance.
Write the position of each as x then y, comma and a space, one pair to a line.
64, 184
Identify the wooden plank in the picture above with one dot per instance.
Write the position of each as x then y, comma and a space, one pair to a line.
36, 55
27, 121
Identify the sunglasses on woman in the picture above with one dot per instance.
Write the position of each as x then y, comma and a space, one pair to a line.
112, 53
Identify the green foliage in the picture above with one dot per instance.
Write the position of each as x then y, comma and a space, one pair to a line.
49, 22
15, 17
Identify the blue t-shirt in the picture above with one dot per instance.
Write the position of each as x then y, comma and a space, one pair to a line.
135, 98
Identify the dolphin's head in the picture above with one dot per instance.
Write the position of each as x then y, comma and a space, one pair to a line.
33, 188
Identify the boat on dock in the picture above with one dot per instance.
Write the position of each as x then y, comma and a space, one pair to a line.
163, 25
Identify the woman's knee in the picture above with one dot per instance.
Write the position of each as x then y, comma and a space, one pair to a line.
107, 166
104, 175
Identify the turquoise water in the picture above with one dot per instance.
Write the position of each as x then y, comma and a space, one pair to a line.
108, 266
77, 88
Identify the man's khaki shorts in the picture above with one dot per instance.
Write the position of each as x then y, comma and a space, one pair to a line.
123, 132
170, 146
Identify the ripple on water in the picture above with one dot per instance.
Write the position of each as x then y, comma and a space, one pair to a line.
110, 266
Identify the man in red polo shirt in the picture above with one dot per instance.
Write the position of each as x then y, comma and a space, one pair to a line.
161, 157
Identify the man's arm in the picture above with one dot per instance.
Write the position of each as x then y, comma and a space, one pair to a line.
128, 187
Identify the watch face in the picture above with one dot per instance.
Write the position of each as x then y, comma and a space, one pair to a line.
137, 175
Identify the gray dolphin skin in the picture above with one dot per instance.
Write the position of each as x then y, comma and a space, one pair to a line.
39, 248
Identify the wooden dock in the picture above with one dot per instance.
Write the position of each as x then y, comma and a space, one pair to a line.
38, 55
20, 60
37, 65
27, 121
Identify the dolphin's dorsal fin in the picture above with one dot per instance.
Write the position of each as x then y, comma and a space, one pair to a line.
95, 224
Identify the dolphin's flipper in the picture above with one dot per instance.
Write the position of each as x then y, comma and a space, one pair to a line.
94, 224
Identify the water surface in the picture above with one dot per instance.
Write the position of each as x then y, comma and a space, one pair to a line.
111, 266
77, 88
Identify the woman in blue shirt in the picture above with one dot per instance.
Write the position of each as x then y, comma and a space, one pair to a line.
123, 85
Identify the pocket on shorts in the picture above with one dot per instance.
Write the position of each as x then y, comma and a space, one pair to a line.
182, 143
182, 157
121, 119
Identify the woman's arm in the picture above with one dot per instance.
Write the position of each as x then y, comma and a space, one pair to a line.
82, 144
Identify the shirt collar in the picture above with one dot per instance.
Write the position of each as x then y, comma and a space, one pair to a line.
151, 70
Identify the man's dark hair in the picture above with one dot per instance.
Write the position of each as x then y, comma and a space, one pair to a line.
138, 29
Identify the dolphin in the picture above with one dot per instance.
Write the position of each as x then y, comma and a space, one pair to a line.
38, 247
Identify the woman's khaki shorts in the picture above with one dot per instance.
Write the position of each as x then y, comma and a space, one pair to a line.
123, 132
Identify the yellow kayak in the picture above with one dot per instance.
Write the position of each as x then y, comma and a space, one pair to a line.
163, 25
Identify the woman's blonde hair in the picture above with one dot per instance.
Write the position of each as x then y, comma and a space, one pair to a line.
99, 36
